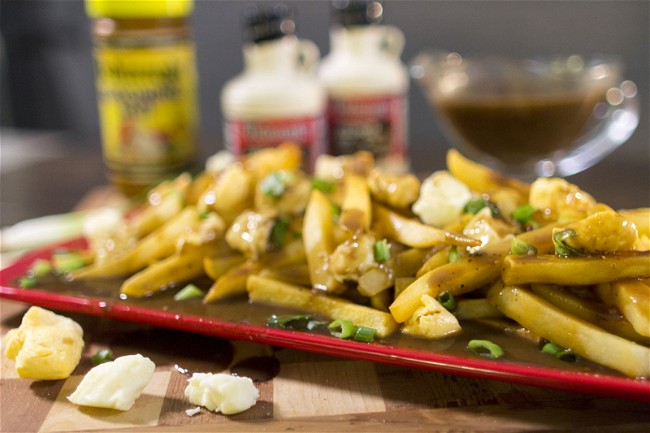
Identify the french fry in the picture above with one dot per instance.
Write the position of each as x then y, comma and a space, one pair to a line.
317, 234
482, 179
356, 209
439, 258
594, 312
407, 262
156, 246
374, 281
575, 271
215, 267
184, 266
431, 320
297, 274
632, 298
286, 156
265, 290
468, 273
475, 309
559, 327
413, 233
154, 216
640, 217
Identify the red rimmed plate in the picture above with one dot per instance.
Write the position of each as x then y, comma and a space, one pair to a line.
239, 319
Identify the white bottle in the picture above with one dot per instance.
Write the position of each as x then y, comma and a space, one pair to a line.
367, 85
277, 98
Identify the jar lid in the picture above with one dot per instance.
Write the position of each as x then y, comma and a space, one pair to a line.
268, 23
139, 8
357, 12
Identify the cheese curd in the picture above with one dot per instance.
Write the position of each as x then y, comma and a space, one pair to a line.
116, 384
46, 346
442, 199
221, 392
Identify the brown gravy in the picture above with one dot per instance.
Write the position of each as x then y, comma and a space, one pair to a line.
518, 129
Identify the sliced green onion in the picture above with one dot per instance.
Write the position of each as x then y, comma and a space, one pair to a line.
342, 328
102, 356
485, 348
275, 184
447, 300
27, 282
203, 215
382, 251
365, 334
322, 185
520, 247
40, 268
279, 232
523, 214
561, 248
559, 352
286, 321
188, 292
475, 205
336, 212
67, 261
453, 254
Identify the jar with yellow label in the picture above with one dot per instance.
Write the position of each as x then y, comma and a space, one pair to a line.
146, 88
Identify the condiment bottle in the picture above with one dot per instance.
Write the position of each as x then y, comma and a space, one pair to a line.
146, 88
367, 85
277, 97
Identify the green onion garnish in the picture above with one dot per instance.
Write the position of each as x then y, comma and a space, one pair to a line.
40, 268
524, 213
485, 348
561, 248
102, 356
67, 261
27, 282
204, 214
322, 185
188, 292
453, 254
336, 212
286, 321
342, 328
365, 334
559, 352
475, 205
520, 247
275, 184
382, 251
447, 300
279, 232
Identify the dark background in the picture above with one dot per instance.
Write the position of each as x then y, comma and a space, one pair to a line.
48, 82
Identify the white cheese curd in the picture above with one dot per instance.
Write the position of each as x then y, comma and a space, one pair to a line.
115, 384
222, 392
442, 198
193, 411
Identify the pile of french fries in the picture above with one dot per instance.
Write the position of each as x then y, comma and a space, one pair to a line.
384, 249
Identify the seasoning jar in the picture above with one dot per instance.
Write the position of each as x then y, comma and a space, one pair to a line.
367, 84
146, 89
277, 97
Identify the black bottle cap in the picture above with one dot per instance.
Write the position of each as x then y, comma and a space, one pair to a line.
267, 23
357, 12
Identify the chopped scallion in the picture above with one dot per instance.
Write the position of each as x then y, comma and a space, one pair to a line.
365, 334
322, 185
382, 251
27, 282
447, 300
279, 232
40, 268
275, 184
102, 356
342, 328
520, 247
561, 248
475, 205
523, 214
67, 261
485, 348
188, 292
453, 254
559, 352
287, 321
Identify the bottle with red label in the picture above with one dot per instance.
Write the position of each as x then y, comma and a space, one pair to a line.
277, 98
367, 85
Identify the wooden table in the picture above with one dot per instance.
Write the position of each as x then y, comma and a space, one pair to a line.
304, 391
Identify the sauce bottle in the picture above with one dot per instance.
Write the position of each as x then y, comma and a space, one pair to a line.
367, 85
277, 97
146, 89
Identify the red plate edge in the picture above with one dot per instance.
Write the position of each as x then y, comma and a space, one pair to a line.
585, 383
